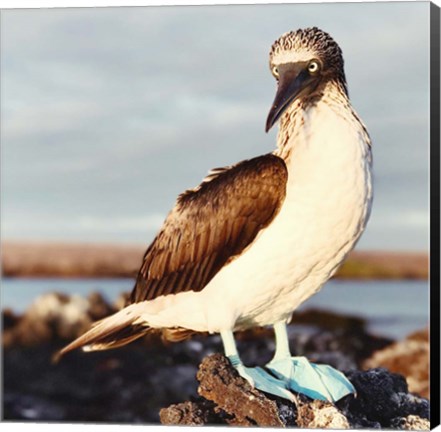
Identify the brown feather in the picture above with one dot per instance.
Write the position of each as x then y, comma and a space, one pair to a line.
115, 330
177, 334
210, 225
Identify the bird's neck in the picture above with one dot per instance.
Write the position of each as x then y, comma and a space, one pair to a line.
300, 121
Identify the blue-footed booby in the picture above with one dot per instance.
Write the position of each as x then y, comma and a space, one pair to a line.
255, 240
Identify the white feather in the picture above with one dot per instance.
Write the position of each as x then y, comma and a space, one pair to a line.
328, 202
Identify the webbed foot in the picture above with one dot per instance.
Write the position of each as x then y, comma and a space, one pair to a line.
265, 382
257, 377
316, 381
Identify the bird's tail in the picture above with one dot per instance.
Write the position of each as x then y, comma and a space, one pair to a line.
112, 332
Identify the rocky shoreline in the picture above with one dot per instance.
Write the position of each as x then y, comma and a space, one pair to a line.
151, 381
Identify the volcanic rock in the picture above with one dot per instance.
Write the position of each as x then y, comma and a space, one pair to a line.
382, 401
409, 358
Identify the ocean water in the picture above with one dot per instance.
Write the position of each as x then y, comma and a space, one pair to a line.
391, 308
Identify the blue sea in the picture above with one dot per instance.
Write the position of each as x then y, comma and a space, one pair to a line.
391, 308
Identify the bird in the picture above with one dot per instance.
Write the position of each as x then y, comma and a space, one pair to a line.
256, 239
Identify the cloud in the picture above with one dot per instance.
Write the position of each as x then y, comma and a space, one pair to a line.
408, 219
128, 223
110, 113
141, 228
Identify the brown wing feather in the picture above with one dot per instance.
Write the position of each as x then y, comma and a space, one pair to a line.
210, 225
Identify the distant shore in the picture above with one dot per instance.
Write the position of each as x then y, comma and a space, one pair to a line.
79, 260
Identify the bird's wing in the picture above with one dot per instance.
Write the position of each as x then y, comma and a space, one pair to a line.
210, 225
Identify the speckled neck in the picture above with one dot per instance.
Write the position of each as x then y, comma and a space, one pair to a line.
333, 95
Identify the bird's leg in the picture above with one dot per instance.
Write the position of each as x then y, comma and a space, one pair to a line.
257, 377
316, 381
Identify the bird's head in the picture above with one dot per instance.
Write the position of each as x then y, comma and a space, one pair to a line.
302, 62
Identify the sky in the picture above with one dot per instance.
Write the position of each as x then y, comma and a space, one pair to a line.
108, 114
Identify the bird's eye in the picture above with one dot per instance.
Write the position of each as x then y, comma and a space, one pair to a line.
275, 71
313, 66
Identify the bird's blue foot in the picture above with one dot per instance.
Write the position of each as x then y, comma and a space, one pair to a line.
257, 377
316, 381
265, 382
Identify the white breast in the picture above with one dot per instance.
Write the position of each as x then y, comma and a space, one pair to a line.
325, 211
327, 205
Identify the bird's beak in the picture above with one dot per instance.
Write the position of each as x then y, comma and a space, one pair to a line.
294, 79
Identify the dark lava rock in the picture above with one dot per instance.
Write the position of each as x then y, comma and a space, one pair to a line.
190, 414
123, 386
382, 401
383, 396
221, 384
10, 319
237, 403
